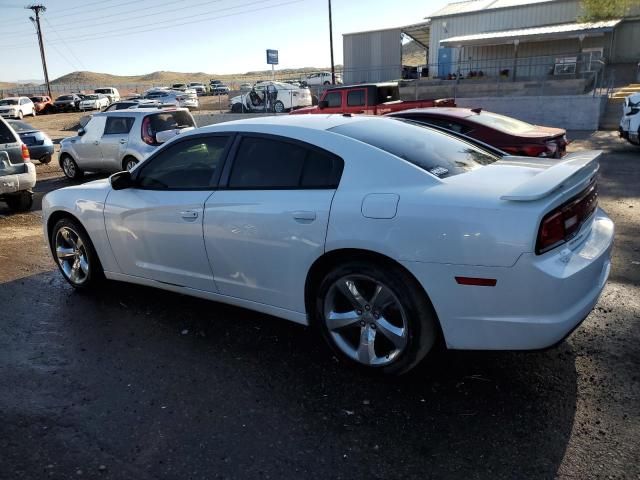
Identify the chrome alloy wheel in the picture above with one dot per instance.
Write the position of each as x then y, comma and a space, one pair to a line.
72, 255
366, 320
69, 167
130, 164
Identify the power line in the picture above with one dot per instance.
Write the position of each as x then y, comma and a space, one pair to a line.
128, 30
66, 44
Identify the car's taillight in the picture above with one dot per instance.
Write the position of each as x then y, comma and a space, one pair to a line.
25, 153
564, 222
148, 136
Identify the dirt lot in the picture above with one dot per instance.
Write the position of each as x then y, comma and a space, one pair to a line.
131, 382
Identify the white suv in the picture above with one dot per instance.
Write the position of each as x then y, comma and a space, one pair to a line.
321, 78
17, 107
119, 140
187, 99
630, 121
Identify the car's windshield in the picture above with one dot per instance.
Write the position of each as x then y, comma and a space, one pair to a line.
37, 99
102, 90
91, 97
171, 120
19, 126
9, 101
64, 97
436, 152
502, 123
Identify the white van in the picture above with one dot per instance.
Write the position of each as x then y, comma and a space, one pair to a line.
110, 92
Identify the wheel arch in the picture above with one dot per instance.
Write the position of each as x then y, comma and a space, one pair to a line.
58, 215
328, 260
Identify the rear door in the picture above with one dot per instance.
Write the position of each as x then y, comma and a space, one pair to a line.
267, 223
113, 143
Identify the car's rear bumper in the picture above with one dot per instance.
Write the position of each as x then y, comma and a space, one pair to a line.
21, 177
36, 152
534, 304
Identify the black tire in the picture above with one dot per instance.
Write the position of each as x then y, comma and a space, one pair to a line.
95, 273
422, 328
20, 115
20, 202
127, 161
46, 159
327, 83
71, 169
236, 108
278, 107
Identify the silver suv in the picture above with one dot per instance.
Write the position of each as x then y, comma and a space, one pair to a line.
17, 173
120, 139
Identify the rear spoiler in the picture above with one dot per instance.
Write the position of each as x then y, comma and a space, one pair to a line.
574, 168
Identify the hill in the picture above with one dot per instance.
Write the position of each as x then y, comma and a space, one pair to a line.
413, 54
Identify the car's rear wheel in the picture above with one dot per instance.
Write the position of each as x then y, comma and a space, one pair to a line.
375, 317
20, 202
236, 108
70, 168
45, 159
327, 83
129, 162
74, 254
20, 114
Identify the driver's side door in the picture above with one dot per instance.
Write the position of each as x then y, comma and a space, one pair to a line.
155, 227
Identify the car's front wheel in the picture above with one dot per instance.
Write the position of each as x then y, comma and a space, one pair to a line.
278, 107
375, 316
70, 167
74, 254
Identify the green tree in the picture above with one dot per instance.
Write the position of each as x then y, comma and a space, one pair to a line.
594, 10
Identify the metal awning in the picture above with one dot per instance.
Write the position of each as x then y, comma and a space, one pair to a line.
536, 34
419, 32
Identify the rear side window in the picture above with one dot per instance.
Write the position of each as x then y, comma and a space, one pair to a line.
436, 152
266, 163
441, 122
334, 99
6, 134
118, 125
355, 98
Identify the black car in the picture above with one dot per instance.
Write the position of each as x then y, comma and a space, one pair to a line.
67, 103
39, 144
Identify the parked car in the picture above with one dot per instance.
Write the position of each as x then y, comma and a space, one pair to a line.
179, 86
509, 134
284, 97
38, 142
119, 140
630, 121
17, 173
200, 88
17, 107
187, 99
320, 78
369, 98
67, 103
97, 101
220, 89
111, 93
136, 103
385, 235
43, 104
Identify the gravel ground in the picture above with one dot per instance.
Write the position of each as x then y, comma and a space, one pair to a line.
131, 382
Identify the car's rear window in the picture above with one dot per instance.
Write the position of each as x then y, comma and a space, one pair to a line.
171, 120
6, 134
102, 90
436, 152
65, 97
500, 122
19, 126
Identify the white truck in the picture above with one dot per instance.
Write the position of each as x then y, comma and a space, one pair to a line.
630, 122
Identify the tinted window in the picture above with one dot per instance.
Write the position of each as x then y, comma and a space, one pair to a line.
170, 120
334, 99
118, 125
355, 98
6, 135
441, 122
438, 153
65, 97
190, 164
263, 163
19, 126
502, 123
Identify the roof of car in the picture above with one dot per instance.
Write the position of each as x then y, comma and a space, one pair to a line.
136, 111
458, 112
380, 84
314, 122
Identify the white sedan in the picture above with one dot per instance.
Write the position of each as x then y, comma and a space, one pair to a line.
95, 101
385, 235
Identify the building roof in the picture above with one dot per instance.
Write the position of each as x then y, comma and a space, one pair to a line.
469, 6
565, 30
419, 32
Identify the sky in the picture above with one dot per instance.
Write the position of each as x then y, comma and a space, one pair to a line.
125, 37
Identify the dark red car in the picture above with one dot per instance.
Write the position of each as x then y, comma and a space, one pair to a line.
508, 134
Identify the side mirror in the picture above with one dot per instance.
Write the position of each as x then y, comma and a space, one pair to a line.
323, 104
81, 131
121, 180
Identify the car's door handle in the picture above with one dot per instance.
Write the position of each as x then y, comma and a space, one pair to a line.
304, 216
123, 140
189, 214
97, 142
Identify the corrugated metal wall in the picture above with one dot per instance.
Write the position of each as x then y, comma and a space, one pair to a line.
372, 56
561, 11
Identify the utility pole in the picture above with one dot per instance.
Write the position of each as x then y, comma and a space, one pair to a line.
37, 9
333, 68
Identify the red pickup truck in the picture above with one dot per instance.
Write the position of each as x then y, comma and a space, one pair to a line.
368, 98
